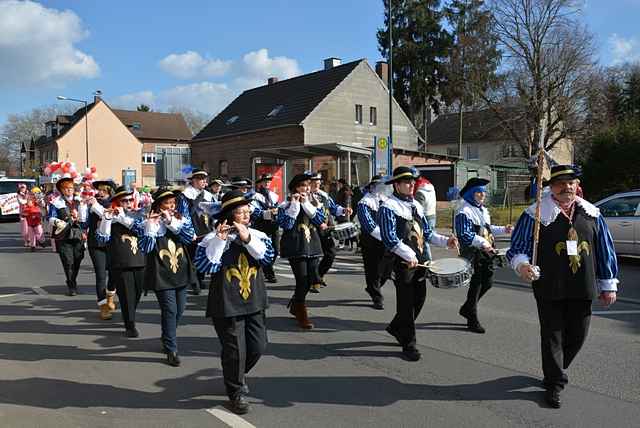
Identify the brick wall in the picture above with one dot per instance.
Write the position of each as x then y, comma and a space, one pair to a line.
236, 150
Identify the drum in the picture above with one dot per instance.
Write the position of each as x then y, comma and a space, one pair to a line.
450, 273
344, 231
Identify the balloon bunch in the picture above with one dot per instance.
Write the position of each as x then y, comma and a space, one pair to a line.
62, 170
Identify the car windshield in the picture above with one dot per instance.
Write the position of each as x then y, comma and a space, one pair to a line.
12, 186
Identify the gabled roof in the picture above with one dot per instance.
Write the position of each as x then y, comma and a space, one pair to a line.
154, 125
259, 108
477, 126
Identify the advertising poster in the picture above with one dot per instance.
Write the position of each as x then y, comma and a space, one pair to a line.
277, 172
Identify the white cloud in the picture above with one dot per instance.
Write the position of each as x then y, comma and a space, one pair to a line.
131, 101
624, 49
192, 65
37, 46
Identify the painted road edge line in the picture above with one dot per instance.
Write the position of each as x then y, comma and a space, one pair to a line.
234, 421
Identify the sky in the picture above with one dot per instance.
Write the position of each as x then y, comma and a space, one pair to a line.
201, 54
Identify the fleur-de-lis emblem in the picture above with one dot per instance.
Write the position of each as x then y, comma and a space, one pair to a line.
173, 254
304, 227
133, 242
243, 272
416, 232
574, 261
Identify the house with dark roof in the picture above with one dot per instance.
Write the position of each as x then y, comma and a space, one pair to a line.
123, 145
325, 121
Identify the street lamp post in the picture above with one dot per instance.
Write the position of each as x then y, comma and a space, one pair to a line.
86, 124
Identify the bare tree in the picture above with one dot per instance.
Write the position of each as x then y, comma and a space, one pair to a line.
549, 53
196, 120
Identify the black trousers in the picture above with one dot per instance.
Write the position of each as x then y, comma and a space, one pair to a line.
305, 270
243, 340
411, 292
71, 254
481, 282
275, 240
564, 325
329, 254
129, 285
100, 260
375, 272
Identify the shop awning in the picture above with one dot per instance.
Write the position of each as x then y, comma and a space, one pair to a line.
306, 152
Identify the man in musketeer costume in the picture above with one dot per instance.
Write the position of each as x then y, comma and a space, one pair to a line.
267, 202
300, 243
119, 231
576, 262
234, 254
405, 233
189, 206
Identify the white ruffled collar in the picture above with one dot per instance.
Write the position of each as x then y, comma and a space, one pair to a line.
478, 215
59, 202
403, 208
549, 209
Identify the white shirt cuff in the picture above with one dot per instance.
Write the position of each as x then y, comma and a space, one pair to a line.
105, 227
175, 224
293, 210
607, 285
339, 211
98, 209
517, 260
439, 240
376, 233
256, 247
214, 247
479, 242
124, 220
151, 228
309, 209
82, 213
404, 251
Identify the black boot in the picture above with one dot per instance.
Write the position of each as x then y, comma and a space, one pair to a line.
172, 359
552, 397
239, 405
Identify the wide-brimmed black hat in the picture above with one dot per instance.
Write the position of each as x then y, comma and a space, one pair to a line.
231, 200
162, 193
122, 191
376, 179
563, 172
108, 182
264, 177
216, 181
316, 175
473, 182
62, 180
297, 179
240, 182
403, 173
198, 173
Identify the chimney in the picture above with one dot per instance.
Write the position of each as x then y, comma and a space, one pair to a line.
382, 70
329, 63
272, 80
97, 96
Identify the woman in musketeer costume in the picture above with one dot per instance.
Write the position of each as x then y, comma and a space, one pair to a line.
169, 270
235, 255
119, 232
300, 216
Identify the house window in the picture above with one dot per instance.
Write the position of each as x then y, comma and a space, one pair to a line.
277, 109
373, 116
224, 168
149, 158
472, 152
136, 126
359, 114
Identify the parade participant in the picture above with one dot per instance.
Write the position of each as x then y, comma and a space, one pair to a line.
168, 270
331, 210
476, 236
33, 216
242, 184
23, 196
118, 231
425, 193
267, 202
135, 196
188, 205
105, 288
576, 262
300, 216
371, 240
67, 217
234, 254
405, 233
216, 189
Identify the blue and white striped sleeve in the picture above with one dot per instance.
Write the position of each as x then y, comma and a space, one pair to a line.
521, 249
185, 230
260, 248
287, 215
606, 261
388, 227
464, 230
256, 210
335, 209
183, 206
318, 218
367, 222
209, 254
147, 240
103, 233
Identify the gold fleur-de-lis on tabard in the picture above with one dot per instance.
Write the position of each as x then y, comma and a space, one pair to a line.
416, 232
173, 254
243, 273
574, 261
304, 227
133, 242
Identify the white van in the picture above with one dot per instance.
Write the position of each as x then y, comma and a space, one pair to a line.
9, 207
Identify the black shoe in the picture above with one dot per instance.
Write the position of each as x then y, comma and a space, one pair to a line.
411, 353
322, 283
195, 291
378, 305
172, 359
315, 288
132, 332
394, 333
552, 398
475, 326
245, 389
72, 292
239, 405
465, 313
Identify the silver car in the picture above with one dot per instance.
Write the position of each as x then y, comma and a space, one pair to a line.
622, 214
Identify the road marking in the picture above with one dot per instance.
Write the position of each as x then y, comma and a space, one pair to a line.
234, 421
615, 312
39, 291
286, 275
10, 295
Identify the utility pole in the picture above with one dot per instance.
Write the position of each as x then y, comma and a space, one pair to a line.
390, 86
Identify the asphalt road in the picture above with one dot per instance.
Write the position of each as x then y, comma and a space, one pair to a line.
60, 366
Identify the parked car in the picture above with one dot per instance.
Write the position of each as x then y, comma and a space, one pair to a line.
622, 214
9, 209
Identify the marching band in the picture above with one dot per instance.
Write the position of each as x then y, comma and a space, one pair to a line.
173, 243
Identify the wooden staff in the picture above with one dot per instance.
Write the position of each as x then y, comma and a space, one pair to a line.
536, 226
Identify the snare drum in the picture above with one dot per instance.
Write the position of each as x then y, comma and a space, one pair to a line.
450, 272
344, 231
